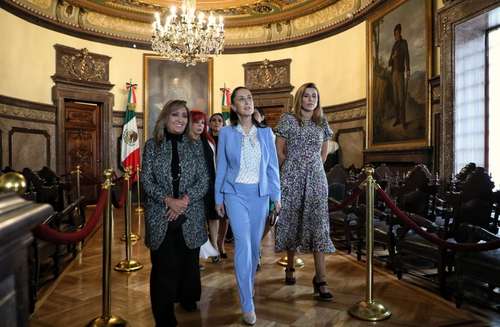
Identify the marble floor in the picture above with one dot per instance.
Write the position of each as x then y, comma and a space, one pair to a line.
75, 297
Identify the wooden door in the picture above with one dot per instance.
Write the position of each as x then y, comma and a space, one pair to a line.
82, 134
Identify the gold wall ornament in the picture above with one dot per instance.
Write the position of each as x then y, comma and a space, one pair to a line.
267, 75
12, 182
83, 66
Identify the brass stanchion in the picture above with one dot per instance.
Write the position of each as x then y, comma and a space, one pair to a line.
78, 173
128, 264
134, 237
283, 261
107, 319
139, 209
369, 309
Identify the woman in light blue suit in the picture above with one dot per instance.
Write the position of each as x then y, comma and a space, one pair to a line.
247, 176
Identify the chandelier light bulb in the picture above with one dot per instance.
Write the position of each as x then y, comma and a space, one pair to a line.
188, 37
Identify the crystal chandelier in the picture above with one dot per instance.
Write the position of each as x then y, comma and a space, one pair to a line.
188, 37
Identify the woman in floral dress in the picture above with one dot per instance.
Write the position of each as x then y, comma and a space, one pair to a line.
302, 146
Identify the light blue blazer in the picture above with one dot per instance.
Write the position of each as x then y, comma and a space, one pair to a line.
228, 163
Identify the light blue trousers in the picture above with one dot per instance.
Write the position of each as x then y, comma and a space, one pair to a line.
247, 212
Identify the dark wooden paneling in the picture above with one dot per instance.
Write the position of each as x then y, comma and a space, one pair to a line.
1, 149
409, 157
17, 219
93, 88
345, 106
269, 82
29, 131
26, 104
344, 147
82, 132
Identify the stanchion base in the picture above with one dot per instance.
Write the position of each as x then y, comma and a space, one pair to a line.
128, 266
299, 263
133, 237
371, 311
109, 321
139, 210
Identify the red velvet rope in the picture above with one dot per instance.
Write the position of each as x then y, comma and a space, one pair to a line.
46, 233
432, 237
347, 201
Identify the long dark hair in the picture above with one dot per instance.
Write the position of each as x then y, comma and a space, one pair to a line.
233, 116
210, 120
161, 122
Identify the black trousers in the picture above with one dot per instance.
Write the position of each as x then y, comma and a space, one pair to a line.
175, 277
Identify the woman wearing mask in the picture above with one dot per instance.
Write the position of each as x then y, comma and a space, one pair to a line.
247, 177
302, 146
175, 181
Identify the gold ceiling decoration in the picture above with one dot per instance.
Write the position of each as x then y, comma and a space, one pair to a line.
250, 25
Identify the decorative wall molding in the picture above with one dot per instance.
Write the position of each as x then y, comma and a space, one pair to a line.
453, 13
267, 74
267, 27
346, 112
26, 104
345, 106
24, 110
119, 116
81, 68
407, 157
15, 130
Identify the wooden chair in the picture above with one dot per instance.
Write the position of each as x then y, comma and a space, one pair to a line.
478, 273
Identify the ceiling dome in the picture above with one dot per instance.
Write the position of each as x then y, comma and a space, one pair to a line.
250, 25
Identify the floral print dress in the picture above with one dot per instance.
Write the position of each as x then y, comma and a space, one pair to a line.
303, 223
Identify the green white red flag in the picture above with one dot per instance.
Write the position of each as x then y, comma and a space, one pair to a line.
226, 102
131, 152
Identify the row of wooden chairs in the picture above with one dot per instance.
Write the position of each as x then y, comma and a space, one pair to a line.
444, 210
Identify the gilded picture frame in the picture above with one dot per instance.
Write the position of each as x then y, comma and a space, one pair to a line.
165, 80
399, 55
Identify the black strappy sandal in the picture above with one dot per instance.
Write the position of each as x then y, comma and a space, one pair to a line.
322, 296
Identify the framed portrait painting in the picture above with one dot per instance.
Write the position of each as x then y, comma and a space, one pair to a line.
399, 61
166, 80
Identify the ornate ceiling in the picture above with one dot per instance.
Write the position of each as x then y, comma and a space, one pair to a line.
251, 25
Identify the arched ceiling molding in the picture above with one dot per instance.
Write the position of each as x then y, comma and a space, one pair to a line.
294, 23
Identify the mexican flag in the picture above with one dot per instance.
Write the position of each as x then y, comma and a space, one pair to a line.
131, 152
226, 102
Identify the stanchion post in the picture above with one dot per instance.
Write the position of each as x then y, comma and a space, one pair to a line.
139, 208
283, 261
133, 237
78, 173
128, 264
369, 309
107, 319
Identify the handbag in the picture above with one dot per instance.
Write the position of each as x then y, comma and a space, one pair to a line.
272, 218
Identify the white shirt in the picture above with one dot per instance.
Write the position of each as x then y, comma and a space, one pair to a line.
250, 157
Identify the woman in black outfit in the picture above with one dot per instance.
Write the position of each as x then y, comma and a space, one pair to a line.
203, 141
216, 122
175, 181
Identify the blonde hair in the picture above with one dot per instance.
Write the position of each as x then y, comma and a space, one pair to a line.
161, 122
317, 116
